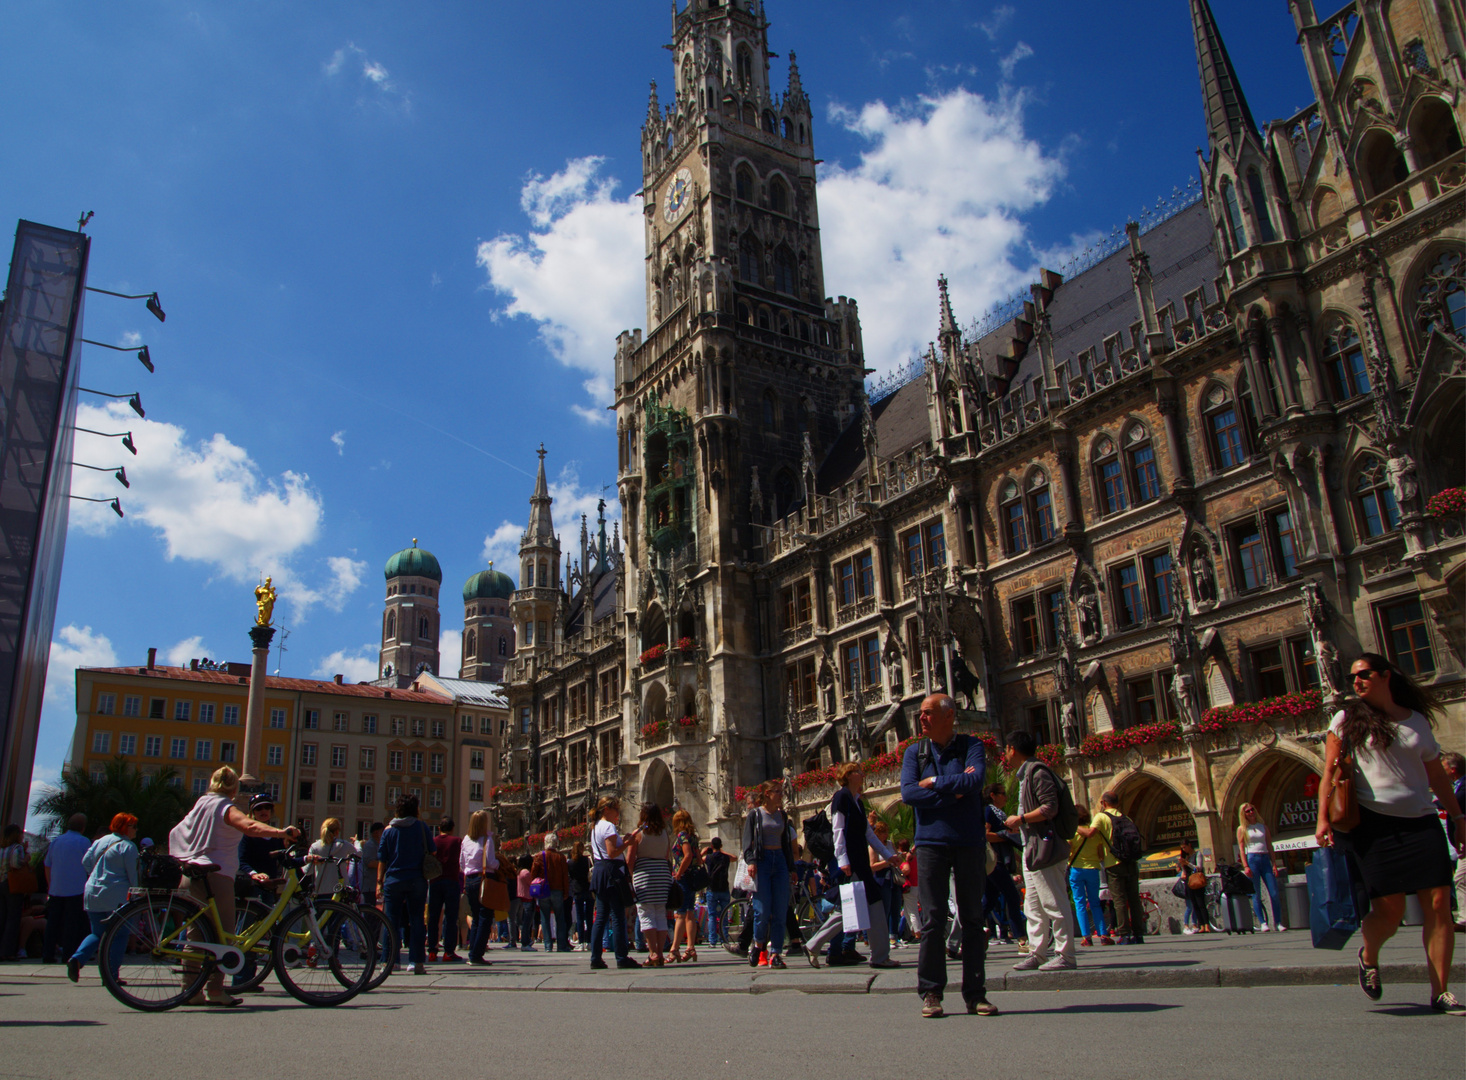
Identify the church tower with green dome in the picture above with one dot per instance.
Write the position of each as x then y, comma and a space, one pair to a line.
488, 631
410, 623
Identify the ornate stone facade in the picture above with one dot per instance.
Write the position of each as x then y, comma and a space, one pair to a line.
1189, 472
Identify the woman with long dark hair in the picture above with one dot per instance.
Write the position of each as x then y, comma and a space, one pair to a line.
651, 879
1397, 847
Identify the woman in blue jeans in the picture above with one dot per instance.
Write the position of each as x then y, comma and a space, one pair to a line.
400, 880
1256, 843
611, 883
768, 849
111, 866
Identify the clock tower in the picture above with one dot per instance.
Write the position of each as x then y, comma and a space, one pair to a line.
746, 375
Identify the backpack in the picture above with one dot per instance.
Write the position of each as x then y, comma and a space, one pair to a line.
819, 836
1125, 842
1066, 821
925, 759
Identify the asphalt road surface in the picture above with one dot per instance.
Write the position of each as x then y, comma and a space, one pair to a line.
53, 1029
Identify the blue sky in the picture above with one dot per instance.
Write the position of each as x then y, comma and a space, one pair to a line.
395, 242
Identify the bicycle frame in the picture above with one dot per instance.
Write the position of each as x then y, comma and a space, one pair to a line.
246, 942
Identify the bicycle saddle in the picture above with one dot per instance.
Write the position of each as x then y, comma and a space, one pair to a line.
199, 871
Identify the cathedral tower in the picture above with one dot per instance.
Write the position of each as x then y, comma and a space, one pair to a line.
747, 373
410, 623
488, 632
537, 601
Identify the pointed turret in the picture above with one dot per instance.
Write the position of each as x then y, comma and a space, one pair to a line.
795, 91
1228, 118
541, 527
950, 335
654, 107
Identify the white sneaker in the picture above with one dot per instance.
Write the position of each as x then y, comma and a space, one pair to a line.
1189, 930
1264, 928
1279, 927
1059, 963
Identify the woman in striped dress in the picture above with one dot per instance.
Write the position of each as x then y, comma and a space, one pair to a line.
651, 876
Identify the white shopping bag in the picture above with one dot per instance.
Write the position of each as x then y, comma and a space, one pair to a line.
743, 879
853, 912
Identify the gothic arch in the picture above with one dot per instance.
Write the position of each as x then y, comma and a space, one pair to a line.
1326, 207
1433, 131
1262, 775
391, 626
1145, 792
1435, 293
470, 645
1380, 163
654, 702
657, 786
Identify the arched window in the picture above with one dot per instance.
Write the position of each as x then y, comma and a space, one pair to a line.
784, 276
770, 411
1109, 478
770, 125
1260, 207
765, 319
1014, 518
1041, 508
1380, 163
785, 326
748, 261
750, 118
743, 183
470, 643
1236, 231
542, 579
1343, 359
1433, 132
424, 630
778, 196
1440, 298
503, 646
1374, 500
1223, 429
1140, 456
745, 67
742, 313
788, 128
391, 631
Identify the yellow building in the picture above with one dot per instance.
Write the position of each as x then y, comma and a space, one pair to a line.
328, 749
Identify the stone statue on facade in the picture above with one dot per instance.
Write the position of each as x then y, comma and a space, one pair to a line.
1070, 725
1182, 687
1089, 613
1203, 580
855, 728
1400, 468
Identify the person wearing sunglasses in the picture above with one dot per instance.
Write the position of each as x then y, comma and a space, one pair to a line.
1397, 846
1256, 844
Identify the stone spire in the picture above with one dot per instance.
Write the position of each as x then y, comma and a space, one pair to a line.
950, 335
541, 527
795, 92
654, 107
1228, 119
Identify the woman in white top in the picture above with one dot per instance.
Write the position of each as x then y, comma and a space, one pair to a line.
330, 846
476, 858
610, 882
1256, 845
210, 834
1398, 846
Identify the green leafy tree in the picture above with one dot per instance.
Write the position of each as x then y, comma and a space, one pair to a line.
900, 821
156, 800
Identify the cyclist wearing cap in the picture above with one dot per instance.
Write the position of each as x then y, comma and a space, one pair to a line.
255, 858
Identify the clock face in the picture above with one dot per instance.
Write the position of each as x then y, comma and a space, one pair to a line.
679, 192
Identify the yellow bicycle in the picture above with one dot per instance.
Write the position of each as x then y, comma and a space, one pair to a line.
322, 952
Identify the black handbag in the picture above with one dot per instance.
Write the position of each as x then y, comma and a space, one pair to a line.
1178, 888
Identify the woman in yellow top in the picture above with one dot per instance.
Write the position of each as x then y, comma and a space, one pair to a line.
1086, 860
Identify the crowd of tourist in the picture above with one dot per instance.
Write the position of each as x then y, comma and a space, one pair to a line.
970, 873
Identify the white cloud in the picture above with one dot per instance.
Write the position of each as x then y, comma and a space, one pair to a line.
1021, 51
501, 547
209, 503
338, 440
998, 18
373, 75
577, 272
358, 665
450, 653
190, 648
939, 189
131, 340
73, 647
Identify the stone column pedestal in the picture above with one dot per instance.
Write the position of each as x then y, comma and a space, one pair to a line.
254, 722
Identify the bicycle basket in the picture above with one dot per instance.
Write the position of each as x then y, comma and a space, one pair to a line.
158, 871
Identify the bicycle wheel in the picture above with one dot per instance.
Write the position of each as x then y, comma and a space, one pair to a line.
807, 917
1214, 903
260, 960
1152, 918
387, 942
738, 913
324, 954
154, 957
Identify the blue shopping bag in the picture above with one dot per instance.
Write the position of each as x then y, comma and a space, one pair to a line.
1332, 914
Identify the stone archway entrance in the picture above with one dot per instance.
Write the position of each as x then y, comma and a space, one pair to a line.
1285, 791
1161, 814
657, 787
